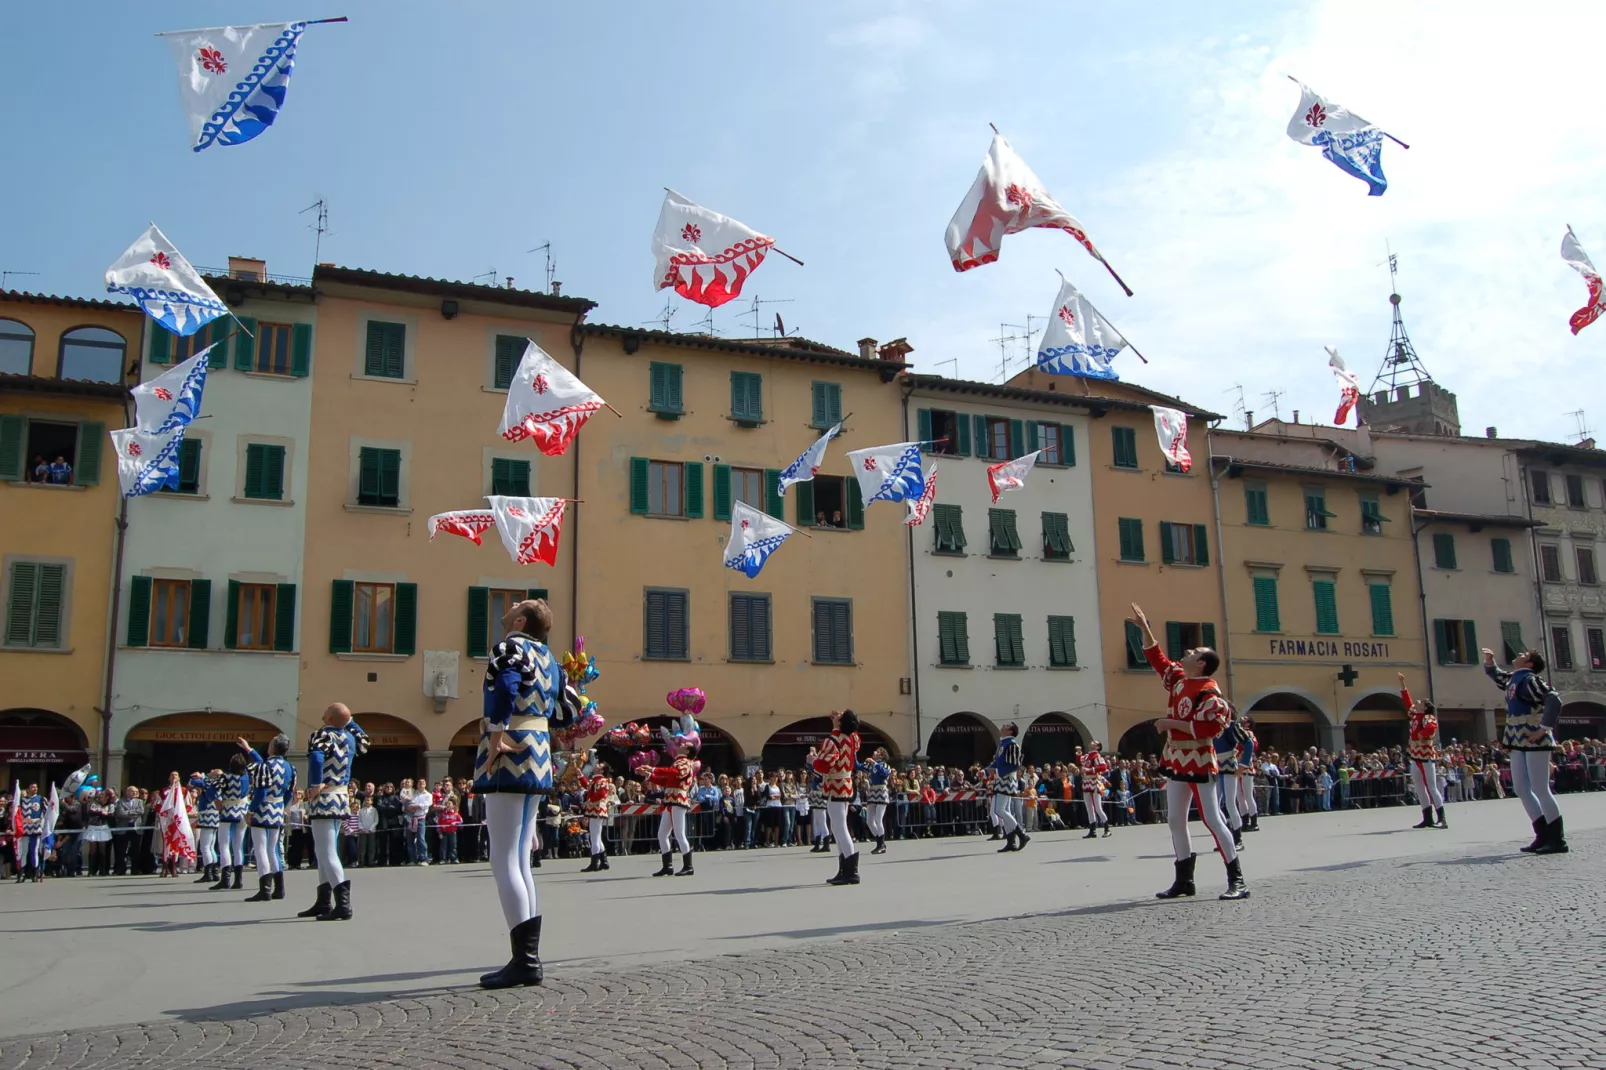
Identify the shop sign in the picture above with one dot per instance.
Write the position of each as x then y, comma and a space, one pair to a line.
1327, 648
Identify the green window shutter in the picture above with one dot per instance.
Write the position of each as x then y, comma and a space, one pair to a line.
499, 475
1441, 643
161, 345
827, 406
1511, 639
1326, 607
374, 350
804, 493
200, 613
1469, 634
86, 468
1017, 440
284, 617
1008, 644
405, 640
694, 489
673, 378
664, 382
984, 444
1131, 532
1062, 642
520, 479
1134, 646
1167, 553
212, 335
1056, 535
833, 404
1267, 618
342, 595
139, 611
1207, 636
22, 597
1173, 639
245, 346
479, 620
638, 485
396, 350
536, 594
819, 415
1382, 609
1502, 554
722, 492
1201, 545
1031, 436
273, 472
231, 617
945, 638
774, 504
1068, 445
255, 459
390, 476
1255, 507
301, 350
1444, 550
509, 351
923, 429
13, 434
964, 435
741, 630
189, 466
1125, 443
747, 397
367, 474
949, 529
855, 506
962, 638
49, 605
1011, 531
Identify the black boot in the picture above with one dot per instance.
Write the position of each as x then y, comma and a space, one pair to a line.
239, 872
1427, 819
264, 889
1555, 842
524, 968
847, 870
1539, 837
1238, 838
1009, 843
1021, 839
668, 868
222, 884
820, 846
320, 905
1092, 833
342, 907
880, 846
278, 885
841, 872
1439, 816
1106, 829
685, 865
602, 861
996, 836
1236, 888
1183, 884
205, 877
853, 867
593, 867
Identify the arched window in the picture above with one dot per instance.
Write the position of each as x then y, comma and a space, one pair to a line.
94, 354
16, 348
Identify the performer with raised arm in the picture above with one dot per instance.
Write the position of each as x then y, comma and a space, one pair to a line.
1006, 788
1529, 741
1094, 766
835, 759
677, 780
206, 822
330, 752
1197, 714
1422, 748
599, 799
233, 791
877, 796
273, 782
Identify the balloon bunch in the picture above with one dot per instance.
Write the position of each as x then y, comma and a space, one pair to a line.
580, 668
632, 736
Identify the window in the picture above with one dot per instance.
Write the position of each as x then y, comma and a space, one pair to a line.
1586, 566
1267, 618
189, 466
1443, 550
1456, 642
1326, 595
264, 471
1550, 563
996, 439
1125, 440
830, 502
254, 616
1372, 518
36, 605
756, 487
1183, 544
509, 351
1256, 509
510, 477
16, 348
1057, 537
667, 626
1539, 481
378, 476
826, 410
1003, 539
1382, 608
1008, 646
665, 480
374, 608
487, 607
385, 354
1134, 647
950, 529
1501, 549
945, 432
1596, 640
1062, 642
170, 612
1131, 533
1561, 647
833, 631
953, 639
1511, 640
94, 354
1316, 514
747, 487
664, 393
750, 627
371, 618
273, 348
1182, 636
666, 488
169, 348
43, 451
1575, 490
747, 398
1056, 441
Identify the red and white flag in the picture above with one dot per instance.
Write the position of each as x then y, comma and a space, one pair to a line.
546, 403
469, 523
1349, 387
178, 839
529, 527
1172, 427
704, 256
920, 508
1574, 254
1011, 475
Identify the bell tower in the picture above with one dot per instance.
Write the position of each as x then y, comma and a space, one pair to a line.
1404, 396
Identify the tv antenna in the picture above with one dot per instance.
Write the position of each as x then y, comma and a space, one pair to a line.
707, 324
756, 311
663, 318
551, 265
487, 275
1274, 399
954, 362
5, 277
1584, 430
1239, 408
320, 224
1004, 341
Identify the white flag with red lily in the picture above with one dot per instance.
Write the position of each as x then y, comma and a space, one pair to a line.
754, 536
1171, 425
147, 461
52, 812
546, 403
889, 473
1010, 475
178, 839
1574, 254
1349, 387
1006, 198
808, 463
920, 508
232, 80
170, 291
1354, 145
173, 398
1078, 340
529, 527
704, 256
469, 523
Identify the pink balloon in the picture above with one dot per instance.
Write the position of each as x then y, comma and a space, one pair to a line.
687, 700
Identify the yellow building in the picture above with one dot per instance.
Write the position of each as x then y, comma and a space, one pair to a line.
63, 385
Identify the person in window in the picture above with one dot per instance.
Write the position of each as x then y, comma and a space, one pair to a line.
819, 520
39, 471
60, 471
836, 519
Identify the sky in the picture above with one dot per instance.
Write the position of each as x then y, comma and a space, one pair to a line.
449, 140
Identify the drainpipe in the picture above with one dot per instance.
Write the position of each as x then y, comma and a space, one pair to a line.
1422, 599
108, 675
1221, 560
577, 343
914, 604
1539, 575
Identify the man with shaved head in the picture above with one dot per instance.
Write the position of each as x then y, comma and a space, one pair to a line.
330, 753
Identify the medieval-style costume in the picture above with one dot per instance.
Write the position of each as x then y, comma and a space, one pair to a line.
597, 800
835, 760
233, 788
273, 782
1529, 741
677, 780
1422, 748
1094, 766
330, 752
30, 845
876, 798
1248, 752
1007, 808
1227, 745
206, 826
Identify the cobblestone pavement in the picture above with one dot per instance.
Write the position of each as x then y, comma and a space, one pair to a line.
1467, 956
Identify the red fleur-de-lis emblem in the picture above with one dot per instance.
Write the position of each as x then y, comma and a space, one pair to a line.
1316, 116
540, 384
1067, 315
134, 450
514, 510
163, 394
212, 60
162, 260
869, 464
691, 232
1019, 196
746, 524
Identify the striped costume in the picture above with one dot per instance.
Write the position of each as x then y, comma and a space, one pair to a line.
599, 795
232, 794
879, 773
1424, 735
330, 752
273, 782
523, 691
206, 815
676, 780
1190, 754
1525, 701
1530, 743
32, 808
835, 761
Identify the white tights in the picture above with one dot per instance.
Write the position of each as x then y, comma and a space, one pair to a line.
1530, 780
1246, 795
1095, 808
326, 842
817, 823
594, 825
837, 813
1227, 792
1179, 795
878, 826
1425, 777
673, 820
206, 844
511, 820
231, 844
264, 843
1002, 815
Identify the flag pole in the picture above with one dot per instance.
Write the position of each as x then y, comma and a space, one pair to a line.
613, 410
1119, 280
203, 29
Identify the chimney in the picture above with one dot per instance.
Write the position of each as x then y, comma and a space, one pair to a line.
557, 288
896, 350
247, 268
510, 282
867, 348
1249, 420
1296, 416
1587, 444
1490, 432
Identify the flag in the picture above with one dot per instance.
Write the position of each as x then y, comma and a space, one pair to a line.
1350, 142
147, 461
52, 812
178, 839
1010, 475
469, 523
704, 256
1574, 254
1077, 340
1006, 198
546, 403
232, 79
920, 508
889, 473
804, 468
754, 536
1349, 387
1171, 425
170, 291
173, 398
529, 527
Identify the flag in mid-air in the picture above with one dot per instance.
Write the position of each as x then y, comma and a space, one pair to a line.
889, 473
147, 461
529, 527
754, 536
469, 523
702, 255
546, 403
232, 80
173, 398
1349, 387
1350, 142
1010, 475
920, 508
1078, 340
804, 468
169, 290
1171, 425
1574, 254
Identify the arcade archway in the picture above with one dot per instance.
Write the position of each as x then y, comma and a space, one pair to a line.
188, 743
1376, 721
789, 747
961, 740
1051, 738
1142, 740
39, 747
1585, 719
1285, 721
395, 750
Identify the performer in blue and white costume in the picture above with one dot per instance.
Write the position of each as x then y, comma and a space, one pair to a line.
1228, 746
876, 798
1007, 805
233, 792
206, 823
273, 782
30, 852
330, 753
524, 696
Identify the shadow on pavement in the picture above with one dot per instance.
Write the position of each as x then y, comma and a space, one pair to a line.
277, 1003
1083, 858
839, 930
716, 891
1473, 860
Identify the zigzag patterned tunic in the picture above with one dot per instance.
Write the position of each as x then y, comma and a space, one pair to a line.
329, 755
523, 687
232, 794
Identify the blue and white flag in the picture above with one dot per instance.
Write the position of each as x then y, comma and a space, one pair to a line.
147, 461
754, 536
1350, 142
804, 468
889, 473
173, 398
232, 80
1077, 340
170, 291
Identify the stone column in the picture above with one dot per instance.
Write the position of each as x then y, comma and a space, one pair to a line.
1330, 738
436, 763
114, 769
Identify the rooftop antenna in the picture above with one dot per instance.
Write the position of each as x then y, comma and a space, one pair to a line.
663, 318
5, 277
490, 276
1401, 367
1239, 408
954, 362
320, 224
707, 324
1274, 398
1584, 430
551, 266
1004, 341
755, 311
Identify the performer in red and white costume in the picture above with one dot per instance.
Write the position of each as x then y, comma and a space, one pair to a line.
835, 760
1094, 766
677, 779
598, 799
1197, 715
1423, 750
